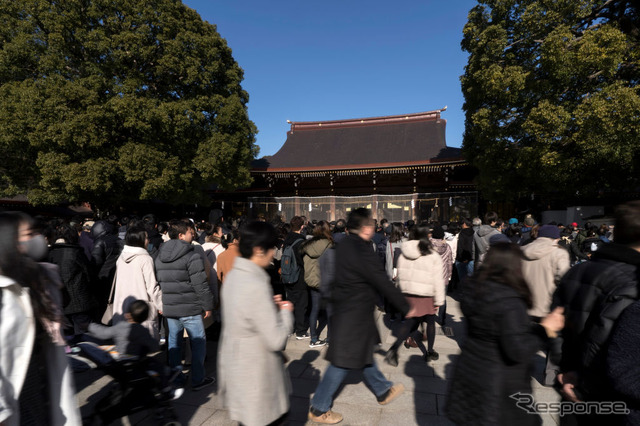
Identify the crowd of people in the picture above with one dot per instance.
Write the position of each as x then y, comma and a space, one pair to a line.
523, 286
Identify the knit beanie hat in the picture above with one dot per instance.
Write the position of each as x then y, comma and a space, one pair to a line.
549, 231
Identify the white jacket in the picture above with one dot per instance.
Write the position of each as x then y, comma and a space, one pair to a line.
17, 335
420, 275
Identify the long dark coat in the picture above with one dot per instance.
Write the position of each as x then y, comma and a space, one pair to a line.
360, 278
76, 274
496, 359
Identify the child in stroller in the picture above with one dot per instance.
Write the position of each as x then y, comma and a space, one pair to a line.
140, 382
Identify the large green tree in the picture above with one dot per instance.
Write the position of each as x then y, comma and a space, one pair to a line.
115, 100
551, 96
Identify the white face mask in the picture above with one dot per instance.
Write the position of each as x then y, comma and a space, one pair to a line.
36, 247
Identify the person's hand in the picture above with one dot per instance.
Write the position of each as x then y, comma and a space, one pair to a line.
208, 314
160, 312
286, 305
568, 381
553, 322
277, 299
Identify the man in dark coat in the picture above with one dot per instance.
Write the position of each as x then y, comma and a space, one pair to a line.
594, 294
360, 278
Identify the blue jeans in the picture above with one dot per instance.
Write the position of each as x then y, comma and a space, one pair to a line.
465, 270
333, 378
195, 330
315, 326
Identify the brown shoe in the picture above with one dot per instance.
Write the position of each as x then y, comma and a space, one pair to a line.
329, 418
394, 392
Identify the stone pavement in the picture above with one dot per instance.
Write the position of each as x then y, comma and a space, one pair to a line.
421, 404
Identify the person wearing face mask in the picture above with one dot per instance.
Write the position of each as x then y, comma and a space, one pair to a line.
36, 382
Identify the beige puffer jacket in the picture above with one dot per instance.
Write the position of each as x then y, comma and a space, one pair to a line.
311, 251
420, 275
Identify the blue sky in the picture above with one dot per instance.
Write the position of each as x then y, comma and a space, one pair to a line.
330, 60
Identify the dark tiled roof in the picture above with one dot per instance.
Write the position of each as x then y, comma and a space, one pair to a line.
371, 142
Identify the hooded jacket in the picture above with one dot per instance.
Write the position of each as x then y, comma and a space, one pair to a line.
311, 251
466, 249
136, 279
445, 252
481, 240
420, 275
183, 280
544, 266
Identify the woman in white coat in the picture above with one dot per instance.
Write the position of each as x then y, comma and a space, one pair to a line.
136, 279
420, 278
255, 327
36, 381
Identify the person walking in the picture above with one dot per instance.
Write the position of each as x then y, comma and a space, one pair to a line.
76, 273
185, 297
497, 356
255, 326
594, 294
359, 278
36, 380
136, 280
421, 280
465, 252
311, 250
292, 269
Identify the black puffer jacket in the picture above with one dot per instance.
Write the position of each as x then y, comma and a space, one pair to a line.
106, 246
594, 294
76, 275
183, 280
496, 358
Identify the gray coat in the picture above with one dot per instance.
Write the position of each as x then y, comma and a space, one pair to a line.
252, 378
183, 280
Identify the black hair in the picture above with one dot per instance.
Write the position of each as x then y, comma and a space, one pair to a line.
421, 233
136, 236
490, 217
257, 234
163, 227
627, 227
228, 238
139, 311
151, 219
503, 265
67, 233
340, 227
396, 233
177, 227
358, 218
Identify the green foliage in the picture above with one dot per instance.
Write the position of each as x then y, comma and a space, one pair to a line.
551, 96
115, 100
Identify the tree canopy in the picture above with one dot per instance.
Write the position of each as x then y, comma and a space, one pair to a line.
551, 96
114, 100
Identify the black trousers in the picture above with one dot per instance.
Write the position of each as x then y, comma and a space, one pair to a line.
298, 294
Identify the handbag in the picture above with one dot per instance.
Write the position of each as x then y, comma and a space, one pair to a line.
107, 317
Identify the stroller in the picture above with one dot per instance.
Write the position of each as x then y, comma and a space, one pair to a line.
135, 388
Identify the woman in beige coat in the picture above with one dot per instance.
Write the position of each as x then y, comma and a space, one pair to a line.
136, 279
255, 327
